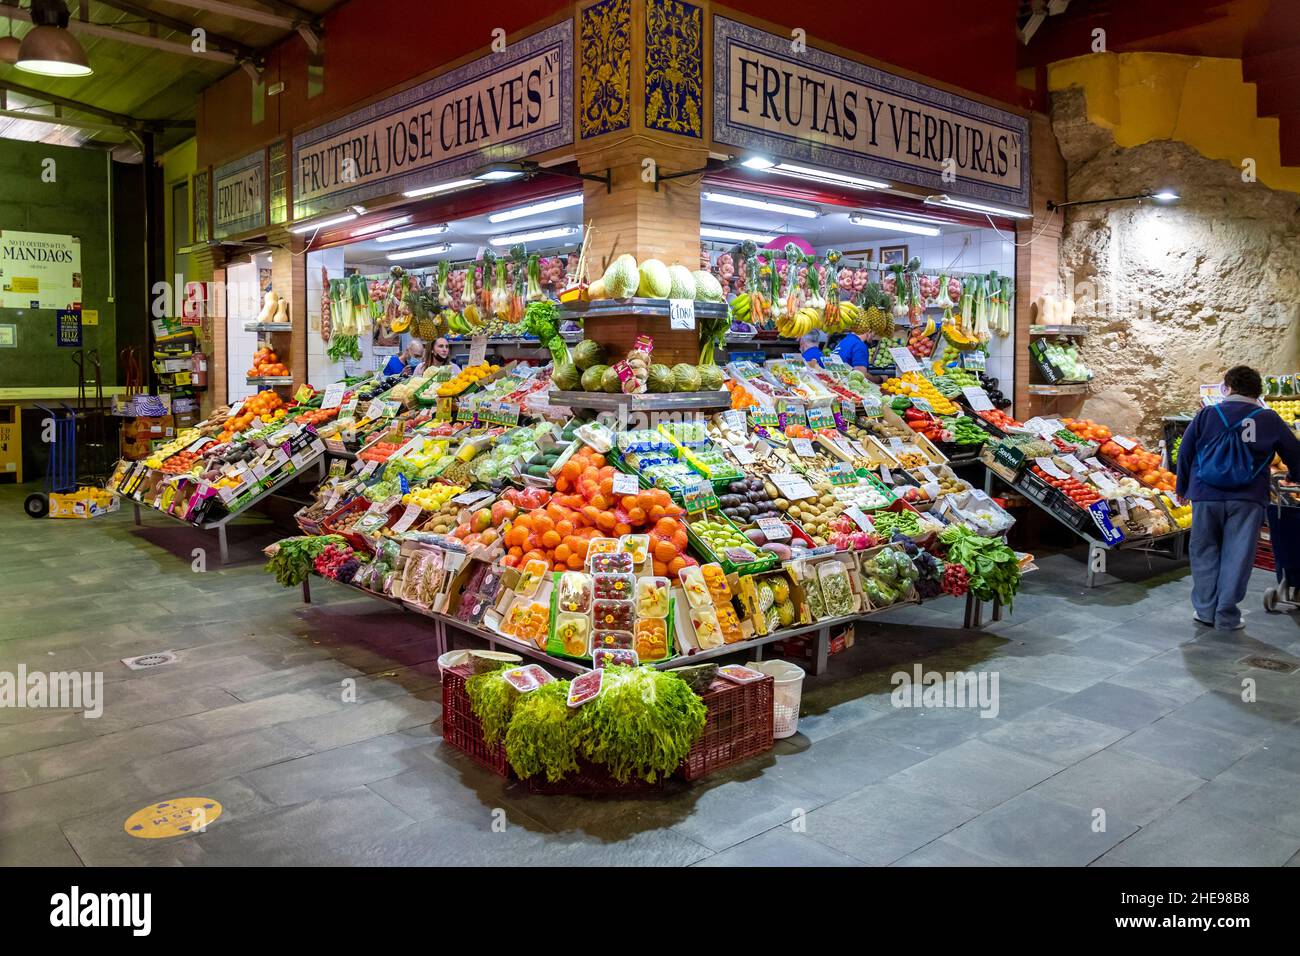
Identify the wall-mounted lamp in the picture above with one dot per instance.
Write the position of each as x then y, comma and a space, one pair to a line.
1164, 197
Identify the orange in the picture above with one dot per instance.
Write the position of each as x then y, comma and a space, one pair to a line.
660, 568
564, 528
550, 539
635, 515
574, 562
562, 552
664, 551
621, 528
675, 565
605, 521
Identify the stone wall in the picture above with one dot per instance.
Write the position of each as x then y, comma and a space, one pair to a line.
1172, 295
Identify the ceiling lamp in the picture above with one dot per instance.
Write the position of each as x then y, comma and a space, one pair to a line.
767, 164
747, 202
534, 209
893, 225
738, 235
965, 204
381, 226
424, 253
322, 223
541, 235
417, 233
48, 48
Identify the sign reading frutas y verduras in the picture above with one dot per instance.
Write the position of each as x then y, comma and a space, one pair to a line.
517, 102
39, 271
239, 195
826, 111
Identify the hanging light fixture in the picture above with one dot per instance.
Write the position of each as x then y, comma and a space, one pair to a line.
48, 48
9, 44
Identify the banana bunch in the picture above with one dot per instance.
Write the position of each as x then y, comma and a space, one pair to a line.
846, 320
803, 322
740, 307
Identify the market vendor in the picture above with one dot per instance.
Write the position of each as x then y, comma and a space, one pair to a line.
441, 353
810, 347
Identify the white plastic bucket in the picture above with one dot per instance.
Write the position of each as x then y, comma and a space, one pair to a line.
787, 691
452, 659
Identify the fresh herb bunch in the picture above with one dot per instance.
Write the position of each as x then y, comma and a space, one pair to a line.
542, 737
291, 559
644, 722
542, 319
992, 566
493, 700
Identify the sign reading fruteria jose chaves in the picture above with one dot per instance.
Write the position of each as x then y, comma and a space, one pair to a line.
501, 107
828, 111
239, 195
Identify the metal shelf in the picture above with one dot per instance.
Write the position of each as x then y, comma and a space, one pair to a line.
646, 402
270, 380
1073, 388
650, 308
268, 326
1075, 330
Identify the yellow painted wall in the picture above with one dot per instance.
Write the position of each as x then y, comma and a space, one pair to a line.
1200, 101
177, 164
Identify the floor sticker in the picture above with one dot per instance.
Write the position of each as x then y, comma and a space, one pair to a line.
172, 818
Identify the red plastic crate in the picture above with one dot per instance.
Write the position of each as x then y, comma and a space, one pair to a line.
462, 729
739, 726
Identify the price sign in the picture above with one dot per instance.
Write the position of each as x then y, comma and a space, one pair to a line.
471, 498
904, 360
625, 484
1144, 504
198, 443
349, 408
885, 475
975, 361
923, 404
857, 516
391, 409
895, 443
1123, 508
236, 408
926, 473
700, 497
792, 357
1101, 518
739, 555
1127, 444
1049, 466
407, 519
1074, 464
1105, 482
774, 529
793, 487
821, 416
375, 409
762, 450
857, 448
734, 420
368, 468
681, 314
931, 488
1095, 465
977, 398
871, 406
477, 349
416, 443
803, 447
742, 454
333, 396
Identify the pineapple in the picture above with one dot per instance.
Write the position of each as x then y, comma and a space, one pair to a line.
785, 613
780, 591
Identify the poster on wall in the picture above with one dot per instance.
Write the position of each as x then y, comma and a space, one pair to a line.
832, 112
67, 324
200, 220
39, 271
498, 108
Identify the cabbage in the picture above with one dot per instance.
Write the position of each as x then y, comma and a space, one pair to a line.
655, 280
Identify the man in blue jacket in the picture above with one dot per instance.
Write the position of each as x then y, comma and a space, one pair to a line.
1226, 521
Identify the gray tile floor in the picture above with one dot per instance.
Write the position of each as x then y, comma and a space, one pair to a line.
1122, 737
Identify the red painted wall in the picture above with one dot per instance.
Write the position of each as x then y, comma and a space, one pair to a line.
375, 45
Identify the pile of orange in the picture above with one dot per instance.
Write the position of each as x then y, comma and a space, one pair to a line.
1087, 429
264, 405
583, 507
741, 397
266, 364
1142, 464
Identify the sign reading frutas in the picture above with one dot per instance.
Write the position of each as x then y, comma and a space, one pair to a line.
503, 106
39, 271
239, 195
813, 107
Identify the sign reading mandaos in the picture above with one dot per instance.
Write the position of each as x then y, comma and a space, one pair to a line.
843, 115
501, 107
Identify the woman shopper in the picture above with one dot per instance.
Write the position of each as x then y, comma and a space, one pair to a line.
1223, 468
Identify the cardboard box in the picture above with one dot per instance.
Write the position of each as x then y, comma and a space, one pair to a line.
160, 427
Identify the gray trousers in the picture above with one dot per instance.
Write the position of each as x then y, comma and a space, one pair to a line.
1224, 537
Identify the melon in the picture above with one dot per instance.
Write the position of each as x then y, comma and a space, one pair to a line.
707, 287
655, 281
710, 378
586, 354
566, 376
610, 382
660, 379
683, 283
622, 277
686, 378
591, 378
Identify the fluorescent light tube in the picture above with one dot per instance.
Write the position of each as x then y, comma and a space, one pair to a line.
413, 233
942, 200
558, 232
440, 188
716, 232
322, 223
424, 253
381, 226
895, 225
827, 176
534, 209
763, 204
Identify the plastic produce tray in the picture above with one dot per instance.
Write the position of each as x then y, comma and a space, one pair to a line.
738, 727
765, 562
462, 729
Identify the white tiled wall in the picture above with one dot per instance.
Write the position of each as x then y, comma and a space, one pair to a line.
320, 370
243, 303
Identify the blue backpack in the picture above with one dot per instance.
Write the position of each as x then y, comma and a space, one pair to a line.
1225, 461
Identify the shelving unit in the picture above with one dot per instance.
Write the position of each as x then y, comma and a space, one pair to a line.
1072, 388
1078, 331
646, 402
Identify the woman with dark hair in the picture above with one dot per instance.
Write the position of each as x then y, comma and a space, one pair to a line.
1229, 491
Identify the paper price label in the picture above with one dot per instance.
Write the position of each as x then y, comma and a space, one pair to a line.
931, 488
407, 519
1094, 465
774, 529
1074, 464
734, 420
1049, 466
885, 475
793, 487
236, 408
1144, 504
792, 357
333, 396
1105, 482
860, 519
471, 498
895, 443
975, 361
927, 474
923, 404
198, 443
625, 484
1127, 444
742, 454
904, 360
368, 468
871, 406
977, 398
681, 314
803, 447
375, 409
478, 349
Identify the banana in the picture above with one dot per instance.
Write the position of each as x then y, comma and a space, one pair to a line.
740, 307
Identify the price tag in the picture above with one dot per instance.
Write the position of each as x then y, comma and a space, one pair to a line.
391, 409
885, 475
415, 444
774, 529
1074, 464
793, 487
895, 443
471, 498
931, 488
1127, 444
375, 409
333, 396
921, 403
700, 497
1049, 466
762, 450
734, 420
871, 406
1094, 465
926, 473
742, 454
1123, 508
904, 360
625, 484
681, 314
1144, 504
977, 398
226, 493
478, 349
857, 516
236, 408
739, 556
1105, 482
368, 469
198, 443
857, 448
975, 361
348, 409
407, 519
792, 357
803, 447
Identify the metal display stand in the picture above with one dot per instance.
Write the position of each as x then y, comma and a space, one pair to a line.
645, 402
220, 525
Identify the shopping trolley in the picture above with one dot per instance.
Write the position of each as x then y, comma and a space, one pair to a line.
1284, 543
61, 466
